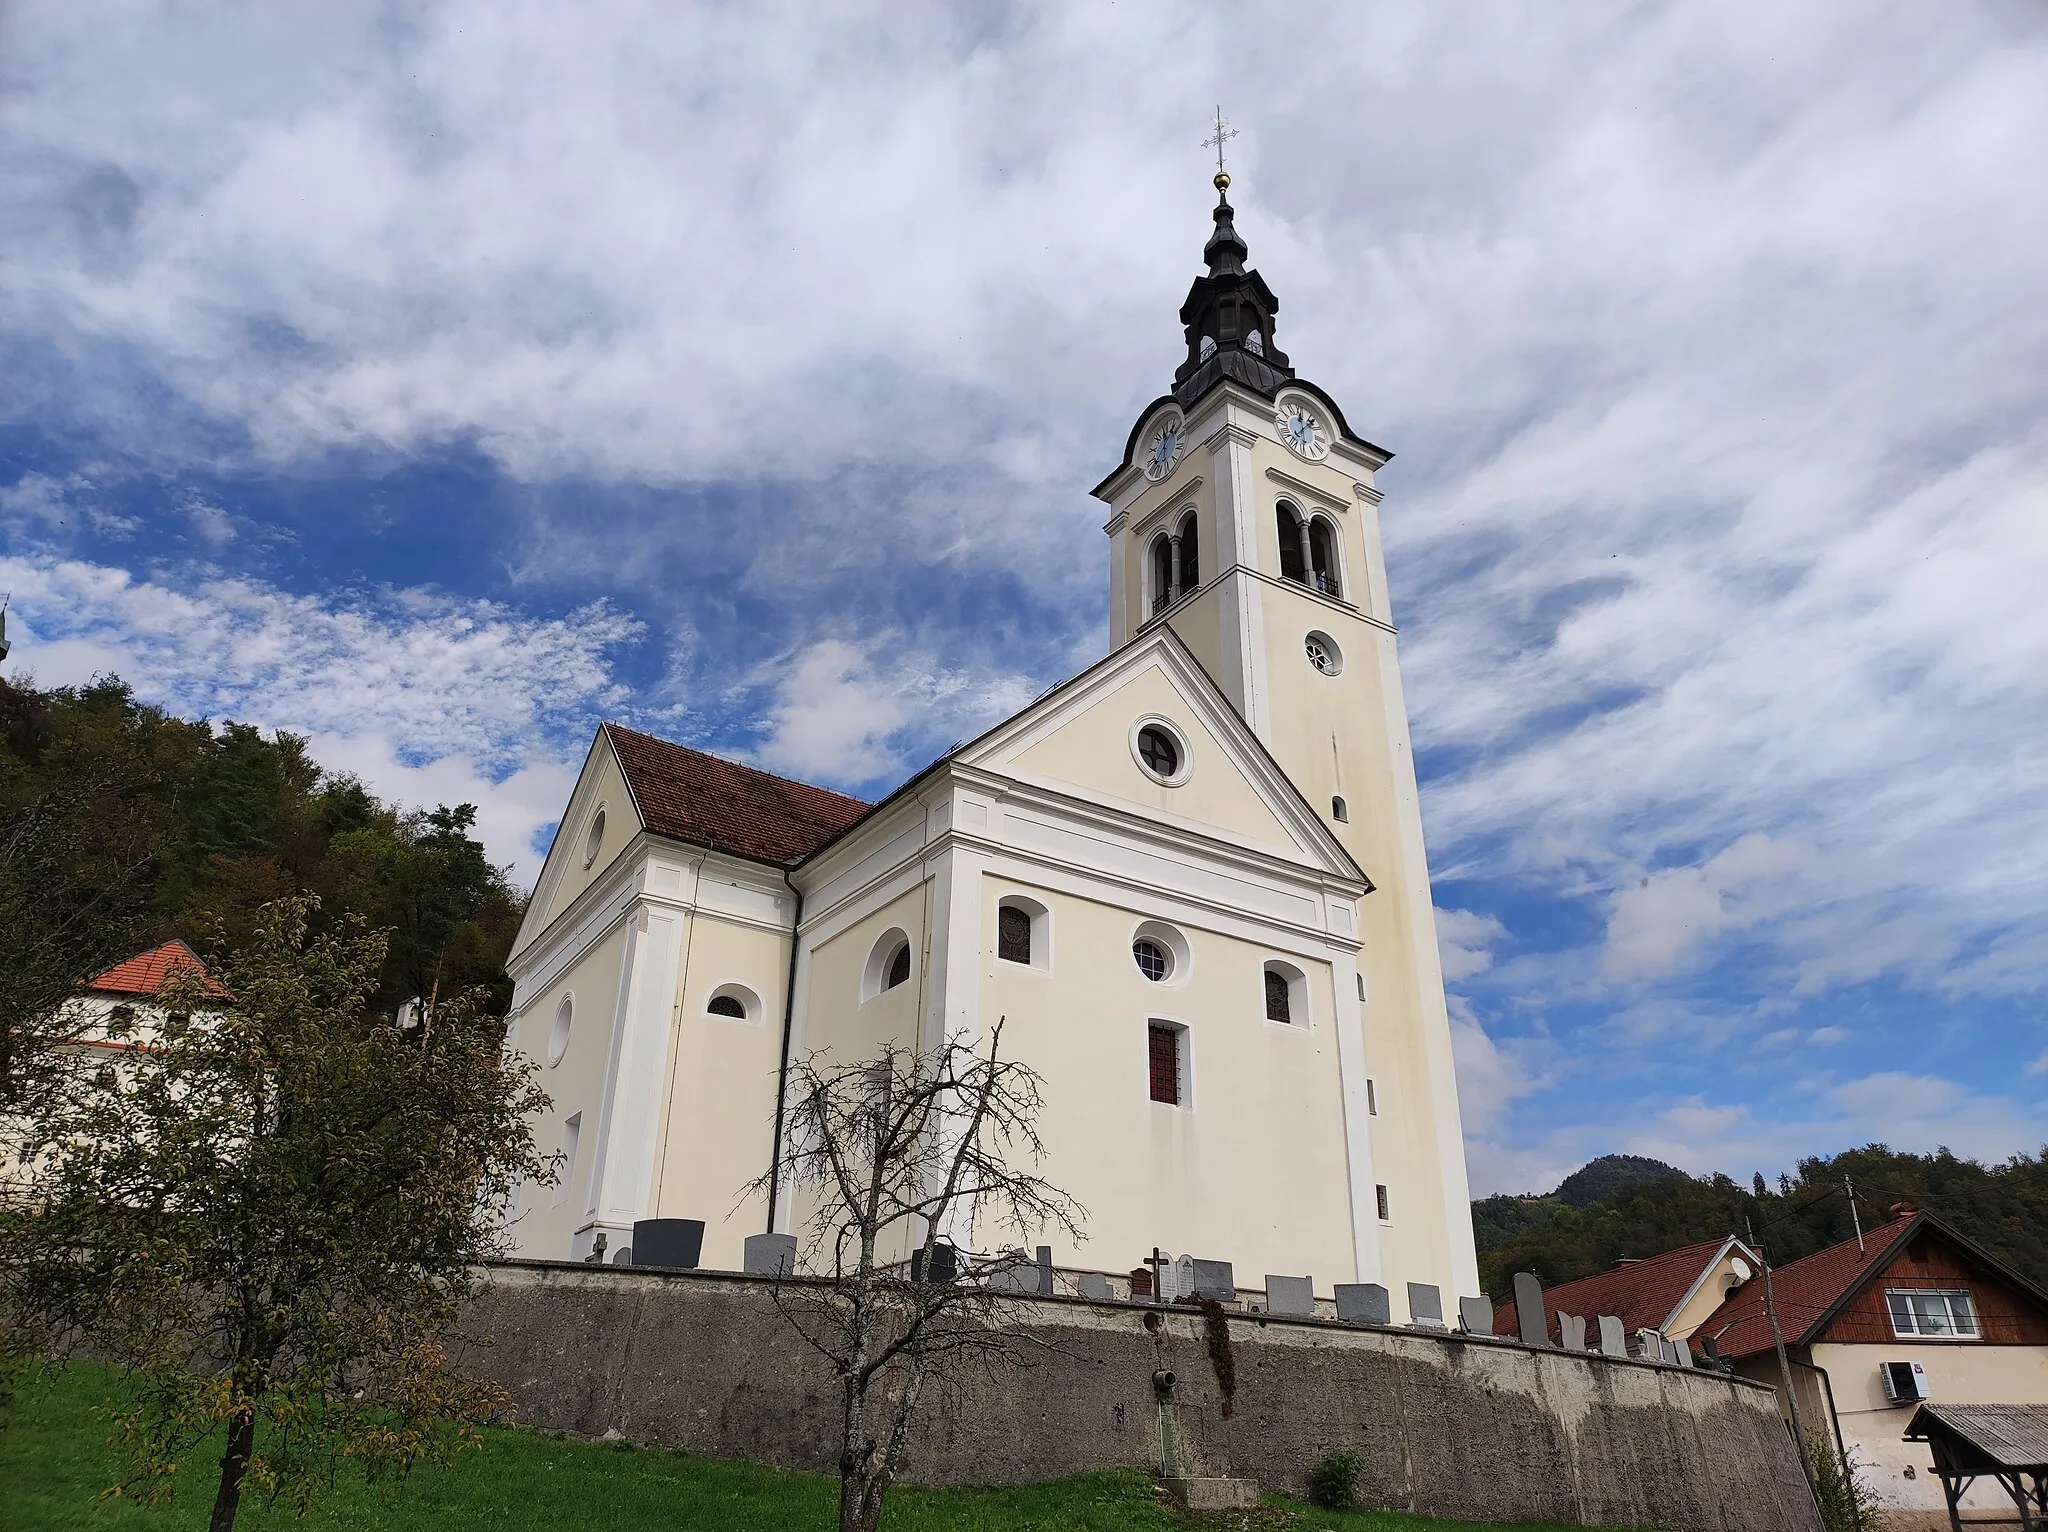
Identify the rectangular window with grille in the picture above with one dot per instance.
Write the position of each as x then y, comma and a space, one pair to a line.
1380, 1192
1165, 1059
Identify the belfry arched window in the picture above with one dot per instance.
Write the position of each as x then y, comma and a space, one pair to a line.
1162, 572
1293, 544
1322, 551
1190, 554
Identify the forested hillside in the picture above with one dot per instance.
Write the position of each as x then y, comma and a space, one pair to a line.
121, 827
1639, 1207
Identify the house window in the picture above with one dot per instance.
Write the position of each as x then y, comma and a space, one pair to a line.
1013, 934
1276, 996
1380, 1195
899, 968
1916, 1312
1164, 1044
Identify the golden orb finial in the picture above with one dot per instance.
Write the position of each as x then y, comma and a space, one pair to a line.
1222, 181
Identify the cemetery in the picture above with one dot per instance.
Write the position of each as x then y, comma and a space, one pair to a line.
1220, 1390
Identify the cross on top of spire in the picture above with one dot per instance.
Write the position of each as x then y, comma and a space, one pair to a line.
1222, 135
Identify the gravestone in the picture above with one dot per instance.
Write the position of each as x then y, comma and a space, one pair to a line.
624, 1257
1045, 1271
1425, 1305
945, 1263
672, 1242
1613, 1338
1294, 1297
1017, 1274
1177, 1280
1677, 1352
1094, 1286
1573, 1327
771, 1255
1214, 1279
1530, 1322
1364, 1303
1475, 1315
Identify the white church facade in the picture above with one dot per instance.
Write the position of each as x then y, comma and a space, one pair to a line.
1190, 880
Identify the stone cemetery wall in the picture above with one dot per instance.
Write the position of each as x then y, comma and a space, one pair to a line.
1444, 1424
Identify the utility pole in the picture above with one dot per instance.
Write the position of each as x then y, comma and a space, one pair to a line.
1784, 1362
1855, 1218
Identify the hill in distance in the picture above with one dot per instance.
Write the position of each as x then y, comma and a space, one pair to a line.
1627, 1205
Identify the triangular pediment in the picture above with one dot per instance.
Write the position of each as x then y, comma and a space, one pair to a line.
1080, 739
567, 872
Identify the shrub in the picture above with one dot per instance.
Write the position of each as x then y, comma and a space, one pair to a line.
1845, 1504
1333, 1482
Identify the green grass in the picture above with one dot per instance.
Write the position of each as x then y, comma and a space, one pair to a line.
54, 1461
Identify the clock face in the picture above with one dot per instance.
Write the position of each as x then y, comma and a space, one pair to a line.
1163, 451
1303, 430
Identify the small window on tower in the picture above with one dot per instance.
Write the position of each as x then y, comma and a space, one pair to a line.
1208, 347
1380, 1195
1276, 996
1339, 811
1013, 934
1190, 555
899, 968
1162, 573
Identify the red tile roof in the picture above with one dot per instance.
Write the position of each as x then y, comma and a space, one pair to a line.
147, 972
689, 796
1804, 1291
1641, 1294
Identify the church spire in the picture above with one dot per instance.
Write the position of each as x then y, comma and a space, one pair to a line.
1229, 313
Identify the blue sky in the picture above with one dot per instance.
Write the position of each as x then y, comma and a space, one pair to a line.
437, 380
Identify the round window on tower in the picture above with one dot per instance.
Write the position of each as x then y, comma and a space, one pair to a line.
1324, 654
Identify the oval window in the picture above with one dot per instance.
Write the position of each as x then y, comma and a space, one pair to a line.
558, 1035
1158, 751
1323, 653
1153, 960
594, 840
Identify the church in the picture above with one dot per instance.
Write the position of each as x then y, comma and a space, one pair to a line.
1190, 880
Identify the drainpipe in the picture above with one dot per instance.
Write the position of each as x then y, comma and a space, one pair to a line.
1834, 1415
782, 1074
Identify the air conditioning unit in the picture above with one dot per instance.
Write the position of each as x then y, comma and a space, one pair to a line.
1904, 1382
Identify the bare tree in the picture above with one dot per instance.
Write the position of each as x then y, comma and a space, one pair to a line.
907, 1160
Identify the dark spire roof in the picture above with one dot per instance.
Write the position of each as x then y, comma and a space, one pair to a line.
1229, 317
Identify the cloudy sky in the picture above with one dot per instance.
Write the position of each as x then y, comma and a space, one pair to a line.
437, 380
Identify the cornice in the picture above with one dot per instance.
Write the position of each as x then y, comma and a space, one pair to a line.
1308, 593
1333, 501
1166, 506
1233, 433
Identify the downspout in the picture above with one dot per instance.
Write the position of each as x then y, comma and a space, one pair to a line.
782, 1073
1834, 1416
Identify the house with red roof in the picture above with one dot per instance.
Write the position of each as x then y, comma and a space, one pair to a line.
121, 1007
1912, 1311
1189, 882
1672, 1293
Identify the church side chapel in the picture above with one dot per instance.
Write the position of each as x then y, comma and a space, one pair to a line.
1191, 880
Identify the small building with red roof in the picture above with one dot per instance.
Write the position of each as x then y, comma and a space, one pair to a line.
1672, 1293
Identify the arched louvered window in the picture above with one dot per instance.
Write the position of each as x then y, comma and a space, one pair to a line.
1013, 934
1162, 572
1190, 554
1322, 551
1289, 528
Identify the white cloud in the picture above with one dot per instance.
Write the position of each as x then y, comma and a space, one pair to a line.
848, 712
428, 698
1465, 942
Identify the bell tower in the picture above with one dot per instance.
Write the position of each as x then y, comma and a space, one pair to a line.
1245, 517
